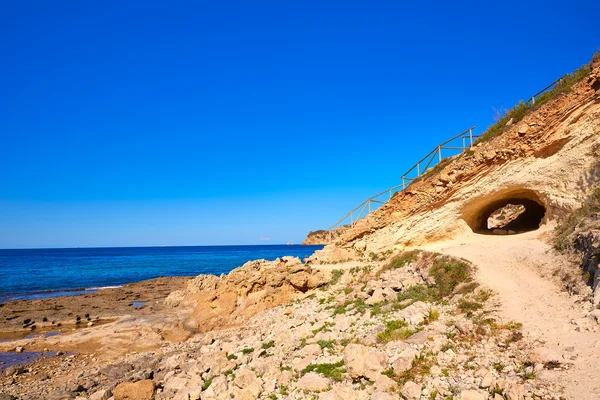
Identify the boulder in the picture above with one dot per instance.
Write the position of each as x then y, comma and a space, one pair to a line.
473, 395
415, 313
217, 389
411, 391
175, 384
310, 350
364, 361
101, 395
140, 390
313, 382
404, 361
255, 286
523, 129
248, 384
384, 384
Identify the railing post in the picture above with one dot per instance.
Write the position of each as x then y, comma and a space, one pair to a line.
418, 169
532, 100
463, 143
439, 154
403, 185
470, 137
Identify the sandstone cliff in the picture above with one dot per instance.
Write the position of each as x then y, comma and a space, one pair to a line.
542, 161
317, 237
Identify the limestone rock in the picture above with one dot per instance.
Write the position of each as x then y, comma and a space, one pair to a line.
404, 361
218, 388
249, 385
473, 395
140, 390
363, 361
384, 384
523, 129
101, 395
384, 396
411, 391
253, 287
313, 382
310, 350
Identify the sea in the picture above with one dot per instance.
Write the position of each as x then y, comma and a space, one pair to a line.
39, 273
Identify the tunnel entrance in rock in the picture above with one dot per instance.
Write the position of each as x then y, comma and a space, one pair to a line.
506, 213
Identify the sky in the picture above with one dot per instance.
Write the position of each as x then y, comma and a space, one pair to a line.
141, 123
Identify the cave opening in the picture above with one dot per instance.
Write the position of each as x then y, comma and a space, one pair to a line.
506, 213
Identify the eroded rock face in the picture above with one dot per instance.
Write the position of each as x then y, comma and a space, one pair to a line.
588, 244
552, 143
230, 299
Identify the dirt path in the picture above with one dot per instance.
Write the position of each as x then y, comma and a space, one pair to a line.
518, 268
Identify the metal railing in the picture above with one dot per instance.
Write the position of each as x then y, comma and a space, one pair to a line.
457, 144
531, 100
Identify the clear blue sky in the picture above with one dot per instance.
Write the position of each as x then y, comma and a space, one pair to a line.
219, 122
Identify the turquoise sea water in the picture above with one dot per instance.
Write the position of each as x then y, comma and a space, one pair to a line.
37, 273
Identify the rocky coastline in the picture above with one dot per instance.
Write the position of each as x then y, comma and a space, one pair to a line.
414, 326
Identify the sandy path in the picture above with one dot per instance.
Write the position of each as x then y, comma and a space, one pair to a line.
514, 266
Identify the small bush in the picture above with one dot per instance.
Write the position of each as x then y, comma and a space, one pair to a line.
401, 260
247, 350
333, 371
326, 344
416, 293
395, 330
448, 273
268, 345
469, 306
207, 383
324, 328
231, 357
421, 366
336, 274
432, 315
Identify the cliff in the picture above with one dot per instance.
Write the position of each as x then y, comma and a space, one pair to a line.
542, 162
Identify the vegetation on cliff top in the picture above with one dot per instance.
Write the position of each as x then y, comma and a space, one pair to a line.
521, 109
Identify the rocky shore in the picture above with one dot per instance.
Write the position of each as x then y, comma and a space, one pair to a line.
22, 318
415, 326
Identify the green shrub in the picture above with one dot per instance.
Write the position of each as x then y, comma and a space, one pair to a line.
448, 273
421, 366
432, 315
268, 345
207, 383
395, 330
401, 260
247, 350
333, 371
468, 306
416, 293
336, 274
326, 344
